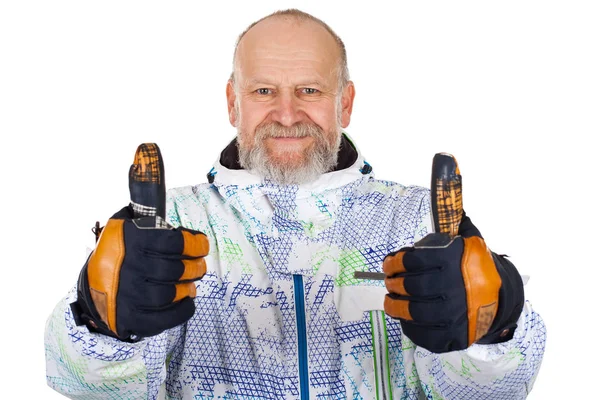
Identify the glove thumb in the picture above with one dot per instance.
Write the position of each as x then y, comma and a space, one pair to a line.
446, 194
147, 182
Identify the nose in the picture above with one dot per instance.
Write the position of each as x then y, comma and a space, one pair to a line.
287, 109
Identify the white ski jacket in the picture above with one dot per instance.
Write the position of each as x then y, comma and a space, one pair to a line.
279, 313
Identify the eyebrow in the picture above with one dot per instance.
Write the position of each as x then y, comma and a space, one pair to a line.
257, 81
314, 83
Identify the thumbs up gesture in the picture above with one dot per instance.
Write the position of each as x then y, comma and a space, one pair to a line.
449, 290
139, 280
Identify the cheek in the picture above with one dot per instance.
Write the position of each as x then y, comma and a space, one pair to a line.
323, 114
250, 116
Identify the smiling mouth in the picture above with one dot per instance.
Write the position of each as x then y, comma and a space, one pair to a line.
286, 143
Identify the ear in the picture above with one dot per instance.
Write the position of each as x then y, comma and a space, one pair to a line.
230, 92
347, 102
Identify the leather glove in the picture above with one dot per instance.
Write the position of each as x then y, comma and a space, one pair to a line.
450, 292
139, 280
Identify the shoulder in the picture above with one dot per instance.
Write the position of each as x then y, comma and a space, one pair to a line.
186, 205
183, 194
395, 190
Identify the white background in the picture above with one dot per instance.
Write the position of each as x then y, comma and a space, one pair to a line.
511, 88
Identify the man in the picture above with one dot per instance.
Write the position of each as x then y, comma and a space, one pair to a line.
255, 294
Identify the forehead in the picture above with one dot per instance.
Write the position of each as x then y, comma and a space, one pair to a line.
284, 45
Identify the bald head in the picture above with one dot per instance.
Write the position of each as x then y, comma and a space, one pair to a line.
288, 27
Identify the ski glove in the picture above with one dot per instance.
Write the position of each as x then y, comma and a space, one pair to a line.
139, 281
449, 293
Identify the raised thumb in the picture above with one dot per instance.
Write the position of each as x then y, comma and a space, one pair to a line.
147, 182
446, 194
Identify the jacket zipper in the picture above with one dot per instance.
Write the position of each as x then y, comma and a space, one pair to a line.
301, 328
381, 362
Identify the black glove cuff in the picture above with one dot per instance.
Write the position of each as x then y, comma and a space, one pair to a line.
511, 301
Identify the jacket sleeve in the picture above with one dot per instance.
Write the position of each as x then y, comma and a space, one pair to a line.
85, 365
491, 371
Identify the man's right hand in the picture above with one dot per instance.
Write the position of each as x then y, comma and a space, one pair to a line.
139, 281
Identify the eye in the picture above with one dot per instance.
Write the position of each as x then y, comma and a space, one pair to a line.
310, 91
263, 91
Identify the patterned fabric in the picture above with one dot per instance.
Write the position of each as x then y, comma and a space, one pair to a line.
242, 342
448, 193
140, 210
146, 164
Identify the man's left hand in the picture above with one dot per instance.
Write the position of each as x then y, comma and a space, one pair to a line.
452, 292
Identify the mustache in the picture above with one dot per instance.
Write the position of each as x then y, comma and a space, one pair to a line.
299, 130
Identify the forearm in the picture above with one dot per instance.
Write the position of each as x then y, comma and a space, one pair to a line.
84, 365
490, 371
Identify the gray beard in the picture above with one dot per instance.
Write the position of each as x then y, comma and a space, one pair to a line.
319, 158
